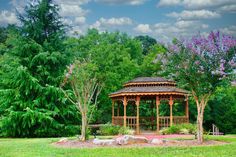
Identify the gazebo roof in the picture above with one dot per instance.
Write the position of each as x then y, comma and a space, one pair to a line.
149, 86
149, 79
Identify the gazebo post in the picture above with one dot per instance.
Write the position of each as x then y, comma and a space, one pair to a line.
137, 115
113, 111
125, 104
171, 108
157, 112
187, 110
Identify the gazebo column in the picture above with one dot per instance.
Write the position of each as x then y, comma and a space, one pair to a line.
171, 108
157, 112
187, 110
113, 103
137, 114
125, 104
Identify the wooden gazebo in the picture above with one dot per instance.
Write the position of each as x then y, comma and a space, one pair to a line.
154, 90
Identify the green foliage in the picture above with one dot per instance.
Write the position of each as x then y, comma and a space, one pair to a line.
151, 65
222, 110
147, 42
42, 23
109, 129
84, 91
126, 131
116, 57
180, 129
31, 104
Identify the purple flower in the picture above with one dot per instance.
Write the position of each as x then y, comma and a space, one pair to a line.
197, 62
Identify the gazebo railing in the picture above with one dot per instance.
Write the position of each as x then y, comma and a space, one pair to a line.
131, 122
164, 121
118, 120
180, 119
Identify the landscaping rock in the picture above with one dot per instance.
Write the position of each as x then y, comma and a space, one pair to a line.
63, 140
156, 141
128, 139
107, 142
173, 141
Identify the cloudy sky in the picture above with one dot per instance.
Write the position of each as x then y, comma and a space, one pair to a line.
161, 19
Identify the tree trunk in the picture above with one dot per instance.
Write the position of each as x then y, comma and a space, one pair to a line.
84, 127
200, 126
201, 104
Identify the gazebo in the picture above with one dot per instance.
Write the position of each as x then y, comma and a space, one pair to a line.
152, 90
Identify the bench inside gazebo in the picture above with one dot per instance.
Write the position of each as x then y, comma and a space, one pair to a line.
153, 91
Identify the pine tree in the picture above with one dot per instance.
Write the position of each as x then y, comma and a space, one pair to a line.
31, 104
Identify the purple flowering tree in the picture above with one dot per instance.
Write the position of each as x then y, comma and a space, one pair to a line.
201, 64
84, 91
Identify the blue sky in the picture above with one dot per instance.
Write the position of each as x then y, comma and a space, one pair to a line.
163, 19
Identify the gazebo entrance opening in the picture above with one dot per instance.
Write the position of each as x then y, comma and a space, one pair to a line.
138, 105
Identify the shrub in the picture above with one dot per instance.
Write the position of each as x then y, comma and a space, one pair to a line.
192, 128
164, 131
109, 129
180, 129
174, 129
126, 131
184, 131
87, 133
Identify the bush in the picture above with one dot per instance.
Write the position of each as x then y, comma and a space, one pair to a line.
184, 131
109, 129
164, 131
180, 129
88, 133
126, 131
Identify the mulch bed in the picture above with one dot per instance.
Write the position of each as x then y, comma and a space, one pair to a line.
167, 143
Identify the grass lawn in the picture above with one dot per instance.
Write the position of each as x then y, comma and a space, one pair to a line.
42, 147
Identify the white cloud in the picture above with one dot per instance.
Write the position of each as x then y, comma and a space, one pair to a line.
228, 8
195, 14
167, 31
195, 3
67, 21
102, 22
76, 31
72, 2
72, 10
128, 2
230, 30
80, 20
204, 26
185, 24
7, 17
18, 5
143, 28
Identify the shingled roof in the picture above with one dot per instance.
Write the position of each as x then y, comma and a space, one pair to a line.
149, 79
149, 86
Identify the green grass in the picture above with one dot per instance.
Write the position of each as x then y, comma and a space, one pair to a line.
42, 147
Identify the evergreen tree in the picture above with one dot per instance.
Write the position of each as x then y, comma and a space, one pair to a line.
31, 103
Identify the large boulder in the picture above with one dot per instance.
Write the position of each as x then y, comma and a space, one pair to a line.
104, 142
128, 139
156, 141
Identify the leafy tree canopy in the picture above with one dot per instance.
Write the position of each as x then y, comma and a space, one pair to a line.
147, 43
117, 57
202, 64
